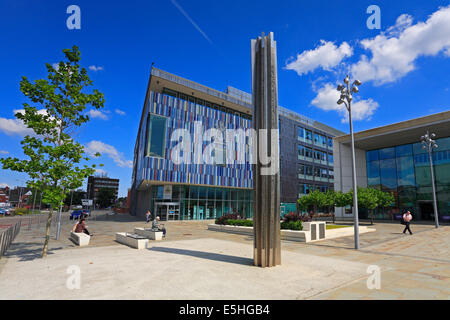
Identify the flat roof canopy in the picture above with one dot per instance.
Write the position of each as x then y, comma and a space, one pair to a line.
400, 133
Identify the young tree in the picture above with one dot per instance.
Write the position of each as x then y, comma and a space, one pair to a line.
54, 164
330, 201
385, 199
368, 198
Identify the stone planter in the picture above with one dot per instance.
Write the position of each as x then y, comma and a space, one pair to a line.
149, 234
132, 240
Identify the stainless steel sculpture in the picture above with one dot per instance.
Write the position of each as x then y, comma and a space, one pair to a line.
266, 226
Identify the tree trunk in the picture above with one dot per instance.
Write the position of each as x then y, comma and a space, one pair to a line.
47, 233
371, 216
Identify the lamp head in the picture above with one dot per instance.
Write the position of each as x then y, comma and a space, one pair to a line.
340, 87
347, 79
357, 82
340, 101
355, 89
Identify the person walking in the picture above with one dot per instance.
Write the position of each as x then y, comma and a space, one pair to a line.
148, 216
407, 217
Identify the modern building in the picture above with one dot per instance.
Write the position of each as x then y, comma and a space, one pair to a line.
391, 158
194, 190
95, 183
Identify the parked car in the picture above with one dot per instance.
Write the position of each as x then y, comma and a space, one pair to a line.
2, 211
76, 214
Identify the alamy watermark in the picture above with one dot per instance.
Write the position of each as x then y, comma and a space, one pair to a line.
74, 280
374, 20
226, 146
374, 280
74, 20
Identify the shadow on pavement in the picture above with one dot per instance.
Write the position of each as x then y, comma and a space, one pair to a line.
28, 251
206, 255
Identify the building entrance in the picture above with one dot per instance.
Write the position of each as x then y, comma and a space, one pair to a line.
426, 210
168, 210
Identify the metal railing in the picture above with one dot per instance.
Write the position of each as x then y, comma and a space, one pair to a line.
8, 236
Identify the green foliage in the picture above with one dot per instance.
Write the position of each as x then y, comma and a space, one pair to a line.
52, 152
223, 219
343, 199
54, 157
21, 211
292, 225
74, 197
106, 197
240, 222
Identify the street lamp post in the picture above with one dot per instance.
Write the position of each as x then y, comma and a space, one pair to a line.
429, 144
346, 99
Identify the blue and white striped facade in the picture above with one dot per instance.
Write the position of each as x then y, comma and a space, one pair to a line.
182, 114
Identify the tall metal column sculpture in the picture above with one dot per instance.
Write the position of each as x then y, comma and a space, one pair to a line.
266, 199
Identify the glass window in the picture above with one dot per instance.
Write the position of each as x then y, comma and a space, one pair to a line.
405, 171
323, 173
316, 138
330, 142
317, 172
405, 150
300, 132
372, 155
373, 173
417, 148
309, 188
301, 169
308, 135
443, 144
323, 141
387, 153
331, 173
156, 136
308, 152
330, 158
388, 173
442, 168
301, 150
308, 170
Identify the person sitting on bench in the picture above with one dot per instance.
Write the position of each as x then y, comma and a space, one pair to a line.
80, 227
157, 227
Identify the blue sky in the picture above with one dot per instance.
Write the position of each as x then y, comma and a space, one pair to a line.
404, 66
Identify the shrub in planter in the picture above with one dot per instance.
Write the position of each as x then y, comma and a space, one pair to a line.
223, 219
240, 222
292, 216
292, 225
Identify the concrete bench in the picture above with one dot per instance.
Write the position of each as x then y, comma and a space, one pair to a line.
79, 238
149, 233
132, 240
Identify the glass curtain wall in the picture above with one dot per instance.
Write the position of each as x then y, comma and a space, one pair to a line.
201, 202
405, 171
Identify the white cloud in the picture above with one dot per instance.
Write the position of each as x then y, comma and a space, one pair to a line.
327, 97
95, 68
3, 185
14, 126
105, 149
325, 56
120, 112
394, 53
97, 114
4, 152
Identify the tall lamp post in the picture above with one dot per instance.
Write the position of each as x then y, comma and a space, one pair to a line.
346, 99
429, 144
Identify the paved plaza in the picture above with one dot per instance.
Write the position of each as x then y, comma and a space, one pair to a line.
195, 263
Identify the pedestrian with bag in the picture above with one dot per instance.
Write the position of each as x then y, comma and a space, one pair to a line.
406, 219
